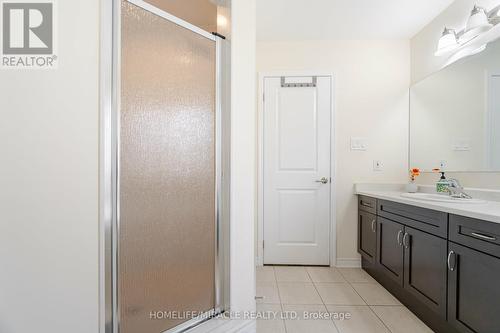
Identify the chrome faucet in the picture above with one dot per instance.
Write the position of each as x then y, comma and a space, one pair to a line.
455, 190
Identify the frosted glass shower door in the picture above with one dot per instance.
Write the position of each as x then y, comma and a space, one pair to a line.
167, 181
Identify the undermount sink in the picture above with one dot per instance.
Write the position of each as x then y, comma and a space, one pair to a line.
441, 198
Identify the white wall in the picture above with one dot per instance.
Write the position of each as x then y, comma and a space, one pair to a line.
49, 184
243, 155
372, 79
424, 44
424, 63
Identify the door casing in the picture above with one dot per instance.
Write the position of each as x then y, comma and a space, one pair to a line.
260, 158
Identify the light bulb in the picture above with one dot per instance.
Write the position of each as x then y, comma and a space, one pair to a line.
447, 42
221, 20
478, 18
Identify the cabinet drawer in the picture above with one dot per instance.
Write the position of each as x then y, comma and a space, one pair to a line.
477, 234
427, 220
367, 204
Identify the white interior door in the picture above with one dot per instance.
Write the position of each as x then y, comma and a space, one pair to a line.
297, 138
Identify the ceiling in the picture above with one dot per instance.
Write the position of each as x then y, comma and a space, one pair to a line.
344, 19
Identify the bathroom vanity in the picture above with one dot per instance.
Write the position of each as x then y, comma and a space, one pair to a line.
442, 260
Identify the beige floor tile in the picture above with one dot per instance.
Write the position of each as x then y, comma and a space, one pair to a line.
400, 320
339, 294
269, 293
310, 318
306, 312
273, 311
375, 294
270, 319
270, 326
291, 274
310, 326
298, 293
325, 274
265, 274
356, 275
268, 307
362, 320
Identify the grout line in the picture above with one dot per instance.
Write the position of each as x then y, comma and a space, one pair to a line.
381, 320
315, 288
281, 302
370, 307
364, 300
278, 289
322, 300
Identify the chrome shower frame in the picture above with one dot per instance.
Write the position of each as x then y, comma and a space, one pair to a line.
109, 168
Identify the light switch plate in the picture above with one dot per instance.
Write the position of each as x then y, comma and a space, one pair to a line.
461, 144
358, 143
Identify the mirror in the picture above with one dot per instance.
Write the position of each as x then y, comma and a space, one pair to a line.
455, 116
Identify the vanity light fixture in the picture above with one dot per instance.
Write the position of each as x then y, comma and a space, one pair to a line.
448, 42
480, 21
476, 24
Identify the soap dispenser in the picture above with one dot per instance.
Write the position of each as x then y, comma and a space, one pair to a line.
442, 184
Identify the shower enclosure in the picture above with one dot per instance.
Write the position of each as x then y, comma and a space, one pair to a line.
166, 234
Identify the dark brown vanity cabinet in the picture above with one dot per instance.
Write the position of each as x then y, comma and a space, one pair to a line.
473, 290
425, 269
390, 254
411, 256
474, 275
415, 260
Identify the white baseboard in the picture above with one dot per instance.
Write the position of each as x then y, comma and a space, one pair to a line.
349, 262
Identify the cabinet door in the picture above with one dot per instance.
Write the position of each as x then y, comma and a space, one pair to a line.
425, 268
367, 235
473, 290
390, 249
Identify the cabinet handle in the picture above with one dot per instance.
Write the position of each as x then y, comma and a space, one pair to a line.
366, 204
485, 237
374, 228
400, 243
450, 266
405, 237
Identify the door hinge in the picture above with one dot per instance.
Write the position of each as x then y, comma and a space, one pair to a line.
264, 97
262, 244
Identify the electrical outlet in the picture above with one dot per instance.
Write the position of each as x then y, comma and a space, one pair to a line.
377, 165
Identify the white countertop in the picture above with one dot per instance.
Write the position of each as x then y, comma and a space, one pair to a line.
488, 211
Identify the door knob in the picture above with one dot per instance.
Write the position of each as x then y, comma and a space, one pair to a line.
323, 180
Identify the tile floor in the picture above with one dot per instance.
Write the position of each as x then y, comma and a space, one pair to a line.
330, 290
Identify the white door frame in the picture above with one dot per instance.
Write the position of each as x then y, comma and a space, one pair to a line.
260, 158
